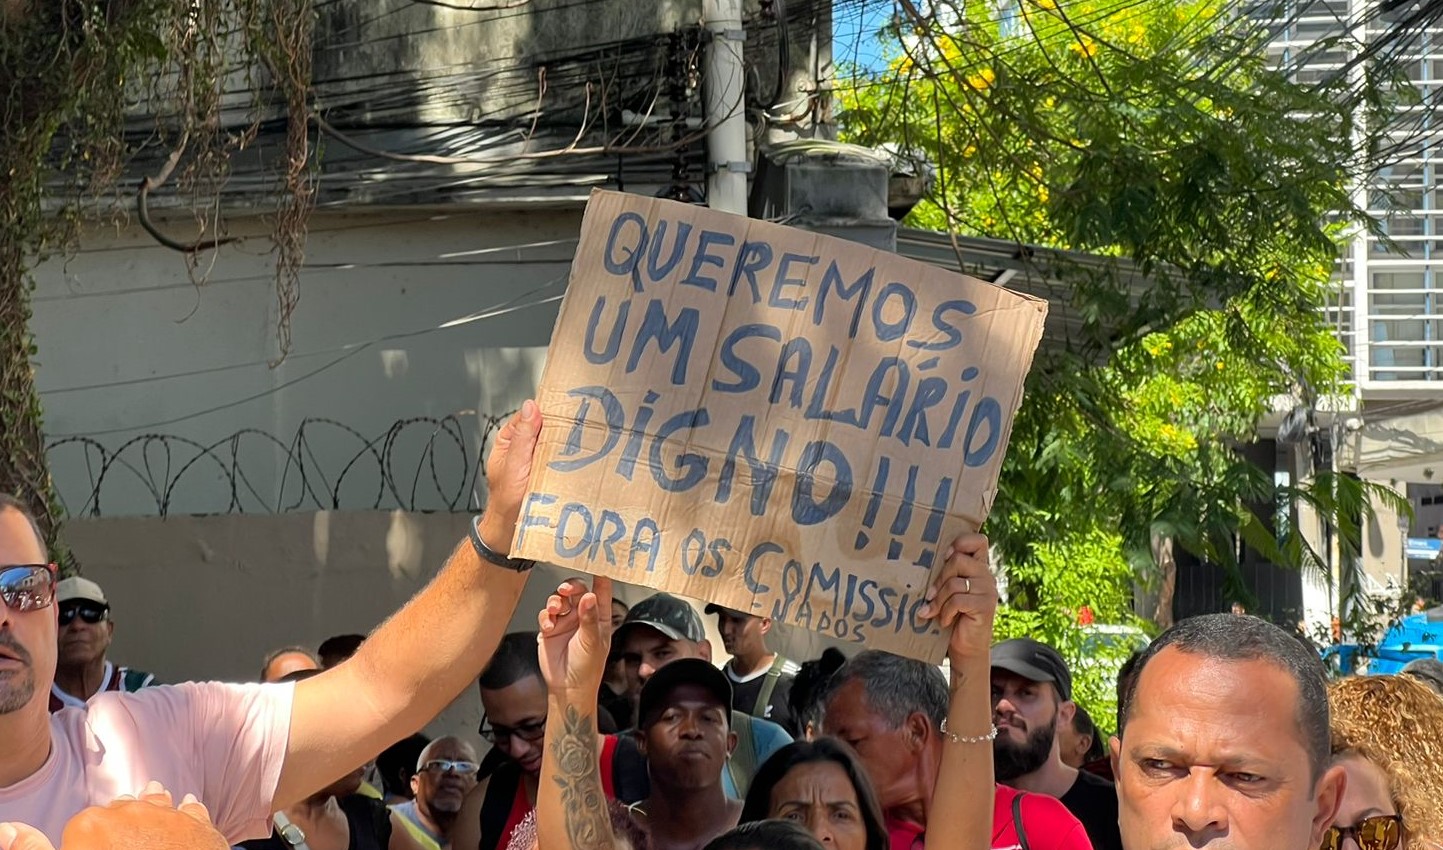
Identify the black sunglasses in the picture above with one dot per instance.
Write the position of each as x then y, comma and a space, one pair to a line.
1380, 832
87, 611
27, 587
500, 736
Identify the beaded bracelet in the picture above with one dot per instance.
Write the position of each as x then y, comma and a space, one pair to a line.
969, 739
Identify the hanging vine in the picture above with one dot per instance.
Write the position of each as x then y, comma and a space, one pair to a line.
71, 72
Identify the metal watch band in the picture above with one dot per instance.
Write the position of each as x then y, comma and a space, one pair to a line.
519, 565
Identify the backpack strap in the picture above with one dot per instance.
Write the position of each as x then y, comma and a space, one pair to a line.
743, 763
1017, 821
764, 697
500, 796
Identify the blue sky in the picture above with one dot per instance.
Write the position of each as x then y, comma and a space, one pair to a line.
854, 31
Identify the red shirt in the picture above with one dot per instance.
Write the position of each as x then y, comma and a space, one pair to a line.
521, 807
1049, 825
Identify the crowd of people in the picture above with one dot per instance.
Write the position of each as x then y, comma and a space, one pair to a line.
611, 727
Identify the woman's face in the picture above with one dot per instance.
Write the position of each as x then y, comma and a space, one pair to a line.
1365, 796
820, 797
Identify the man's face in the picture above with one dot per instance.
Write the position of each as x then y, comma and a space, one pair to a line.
83, 642
1026, 714
27, 639
687, 742
1073, 744
888, 752
517, 717
741, 633
441, 791
646, 650
1212, 757
618, 614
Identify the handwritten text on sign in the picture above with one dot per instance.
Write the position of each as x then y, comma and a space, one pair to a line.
783, 423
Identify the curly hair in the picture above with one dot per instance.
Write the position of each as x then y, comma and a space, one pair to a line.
1393, 722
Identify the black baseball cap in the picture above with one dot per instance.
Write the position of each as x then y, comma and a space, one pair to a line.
668, 614
1034, 661
713, 608
683, 671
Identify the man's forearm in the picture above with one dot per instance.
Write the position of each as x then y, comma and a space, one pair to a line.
418, 661
571, 808
403, 675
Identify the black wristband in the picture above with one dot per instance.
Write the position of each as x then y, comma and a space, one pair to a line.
491, 556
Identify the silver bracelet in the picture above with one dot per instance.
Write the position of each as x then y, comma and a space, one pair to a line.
969, 739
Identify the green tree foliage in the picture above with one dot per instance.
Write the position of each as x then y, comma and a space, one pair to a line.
1088, 565
69, 71
1155, 133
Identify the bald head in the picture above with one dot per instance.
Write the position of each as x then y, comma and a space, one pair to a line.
445, 773
287, 662
449, 748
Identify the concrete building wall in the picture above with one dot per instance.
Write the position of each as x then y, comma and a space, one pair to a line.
205, 598
130, 346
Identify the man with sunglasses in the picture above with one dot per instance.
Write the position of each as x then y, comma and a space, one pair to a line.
444, 773
248, 750
86, 628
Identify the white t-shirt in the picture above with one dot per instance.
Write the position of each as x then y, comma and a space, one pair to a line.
223, 743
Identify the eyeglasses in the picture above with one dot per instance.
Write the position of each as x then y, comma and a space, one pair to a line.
87, 611
500, 736
27, 587
460, 768
1380, 832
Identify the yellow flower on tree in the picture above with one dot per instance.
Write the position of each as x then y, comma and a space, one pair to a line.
982, 80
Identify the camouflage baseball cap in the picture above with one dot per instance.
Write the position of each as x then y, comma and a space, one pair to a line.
668, 614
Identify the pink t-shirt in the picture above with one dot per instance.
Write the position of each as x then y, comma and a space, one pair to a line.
222, 743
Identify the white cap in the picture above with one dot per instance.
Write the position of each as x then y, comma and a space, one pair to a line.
76, 587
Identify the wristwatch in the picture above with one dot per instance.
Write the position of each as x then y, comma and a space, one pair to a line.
491, 556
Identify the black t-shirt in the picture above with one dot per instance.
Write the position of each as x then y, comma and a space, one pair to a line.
1093, 800
369, 819
745, 695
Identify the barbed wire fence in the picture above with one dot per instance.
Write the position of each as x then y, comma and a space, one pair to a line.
419, 464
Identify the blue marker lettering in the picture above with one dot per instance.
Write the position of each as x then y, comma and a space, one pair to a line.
681, 333
691, 464
860, 288
763, 475
613, 341
657, 270
615, 420
748, 376
801, 348
806, 510
888, 331
753, 257
707, 239
784, 281
989, 413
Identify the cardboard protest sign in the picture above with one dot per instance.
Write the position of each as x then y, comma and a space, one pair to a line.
786, 424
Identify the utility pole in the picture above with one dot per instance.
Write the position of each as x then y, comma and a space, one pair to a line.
724, 92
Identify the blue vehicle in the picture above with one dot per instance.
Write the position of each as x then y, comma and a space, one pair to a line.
1412, 637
